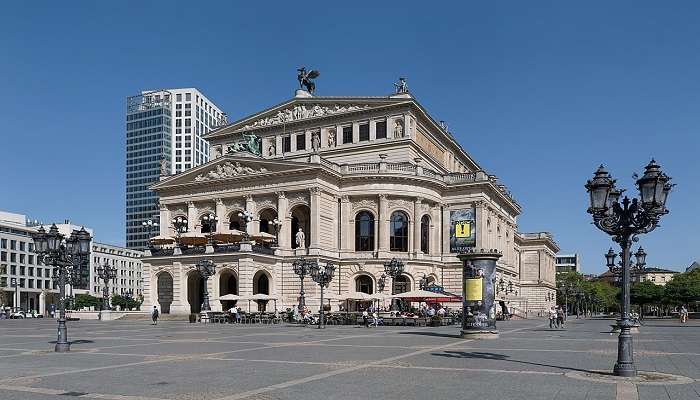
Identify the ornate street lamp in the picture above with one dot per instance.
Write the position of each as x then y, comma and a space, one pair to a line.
381, 283
624, 221
206, 268
323, 276
245, 216
180, 227
209, 222
150, 226
393, 268
106, 273
423, 283
276, 225
301, 268
64, 255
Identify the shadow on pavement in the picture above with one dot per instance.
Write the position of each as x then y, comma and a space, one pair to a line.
436, 334
503, 357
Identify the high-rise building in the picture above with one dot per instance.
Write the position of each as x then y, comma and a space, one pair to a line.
568, 263
164, 130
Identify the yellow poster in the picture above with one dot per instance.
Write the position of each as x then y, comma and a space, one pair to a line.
463, 229
473, 289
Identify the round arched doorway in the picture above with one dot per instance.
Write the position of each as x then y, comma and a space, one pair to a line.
165, 291
261, 285
195, 291
228, 284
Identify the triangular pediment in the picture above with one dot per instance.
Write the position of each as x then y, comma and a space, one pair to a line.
302, 109
236, 166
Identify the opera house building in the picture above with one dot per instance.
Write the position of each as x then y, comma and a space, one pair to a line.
352, 181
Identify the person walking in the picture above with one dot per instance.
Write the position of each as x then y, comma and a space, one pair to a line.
375, 318
154, 315
552, 317
234, 314
365, 318
560, 317
683, 314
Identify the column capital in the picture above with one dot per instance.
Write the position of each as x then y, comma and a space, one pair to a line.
314, 190
281, 195
162, 207
418, 200
190, 204
345, 199
248, 196
218, 201
383, 196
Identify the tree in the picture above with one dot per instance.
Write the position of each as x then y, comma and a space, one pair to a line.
645, 293
684, 288
126, 303
86, 301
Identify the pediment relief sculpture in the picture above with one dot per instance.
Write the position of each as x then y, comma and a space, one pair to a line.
228, 170
300, 112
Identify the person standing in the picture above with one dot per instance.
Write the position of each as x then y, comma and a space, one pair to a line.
365, 318
234, 314
154, 315
552, 317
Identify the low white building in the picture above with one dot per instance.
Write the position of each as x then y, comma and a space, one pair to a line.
128, 280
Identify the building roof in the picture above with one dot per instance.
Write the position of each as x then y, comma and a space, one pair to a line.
656, 270
695, 265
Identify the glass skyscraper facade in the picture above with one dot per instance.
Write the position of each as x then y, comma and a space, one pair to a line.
148, 145
162, 127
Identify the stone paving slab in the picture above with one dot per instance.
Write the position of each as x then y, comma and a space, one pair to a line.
133, 360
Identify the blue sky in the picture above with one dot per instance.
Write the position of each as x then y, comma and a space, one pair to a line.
539, 93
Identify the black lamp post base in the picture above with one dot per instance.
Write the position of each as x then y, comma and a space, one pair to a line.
62, 347
625, 370
479, 334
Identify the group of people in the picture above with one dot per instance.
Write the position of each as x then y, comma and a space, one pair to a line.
557, 316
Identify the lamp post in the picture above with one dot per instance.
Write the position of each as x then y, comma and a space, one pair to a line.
209, 222
393, 269
150, 225
276, 225
63, 254
624, 220
323, 276
180, 227
106, 273
206, 268
246, 216
301, 269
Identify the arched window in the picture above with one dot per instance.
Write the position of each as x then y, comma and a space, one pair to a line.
425, 234
364, 231
398, 231
235, 222
363, 284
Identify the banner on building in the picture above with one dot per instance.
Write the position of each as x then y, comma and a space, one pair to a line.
462, 230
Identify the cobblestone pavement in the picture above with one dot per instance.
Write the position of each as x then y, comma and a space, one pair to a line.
133, 360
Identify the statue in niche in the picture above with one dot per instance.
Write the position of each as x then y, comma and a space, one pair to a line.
316, 141
272, 150
398, 129
331, 138
300, 239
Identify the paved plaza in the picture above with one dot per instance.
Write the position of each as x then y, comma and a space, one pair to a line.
130, 360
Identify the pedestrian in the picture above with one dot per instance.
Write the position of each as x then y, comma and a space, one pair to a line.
683, 314
234, 314
560, 317
154, 315
365, 318
375, 319
552, 317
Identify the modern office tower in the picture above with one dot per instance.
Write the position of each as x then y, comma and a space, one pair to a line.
164, 130
568, 263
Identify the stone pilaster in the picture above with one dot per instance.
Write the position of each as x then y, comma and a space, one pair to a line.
446, 229
315, 205
416, 224
345, 237
221, 214
250, 206
164, 227
481, 226
191, 216
383, 223
285, 229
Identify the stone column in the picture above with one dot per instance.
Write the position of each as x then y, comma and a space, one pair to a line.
416, 224
481, 227
315, 223
164, 223
42, 303
285, 229
221, 214
478, 294
345, 244
446, 229
383, 223
278, 144
191, 216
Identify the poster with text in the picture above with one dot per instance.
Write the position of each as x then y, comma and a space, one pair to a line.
462, 230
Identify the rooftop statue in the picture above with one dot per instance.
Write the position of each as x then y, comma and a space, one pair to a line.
250, 143
401, 86
305, 79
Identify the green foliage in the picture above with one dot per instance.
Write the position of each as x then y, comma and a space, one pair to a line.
125, 303
684, 288
86, 301
603, 294
646, 293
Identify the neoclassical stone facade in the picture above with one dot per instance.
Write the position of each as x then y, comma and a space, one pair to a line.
366, 179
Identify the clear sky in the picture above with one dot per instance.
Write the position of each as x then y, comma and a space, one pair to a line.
539, 93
